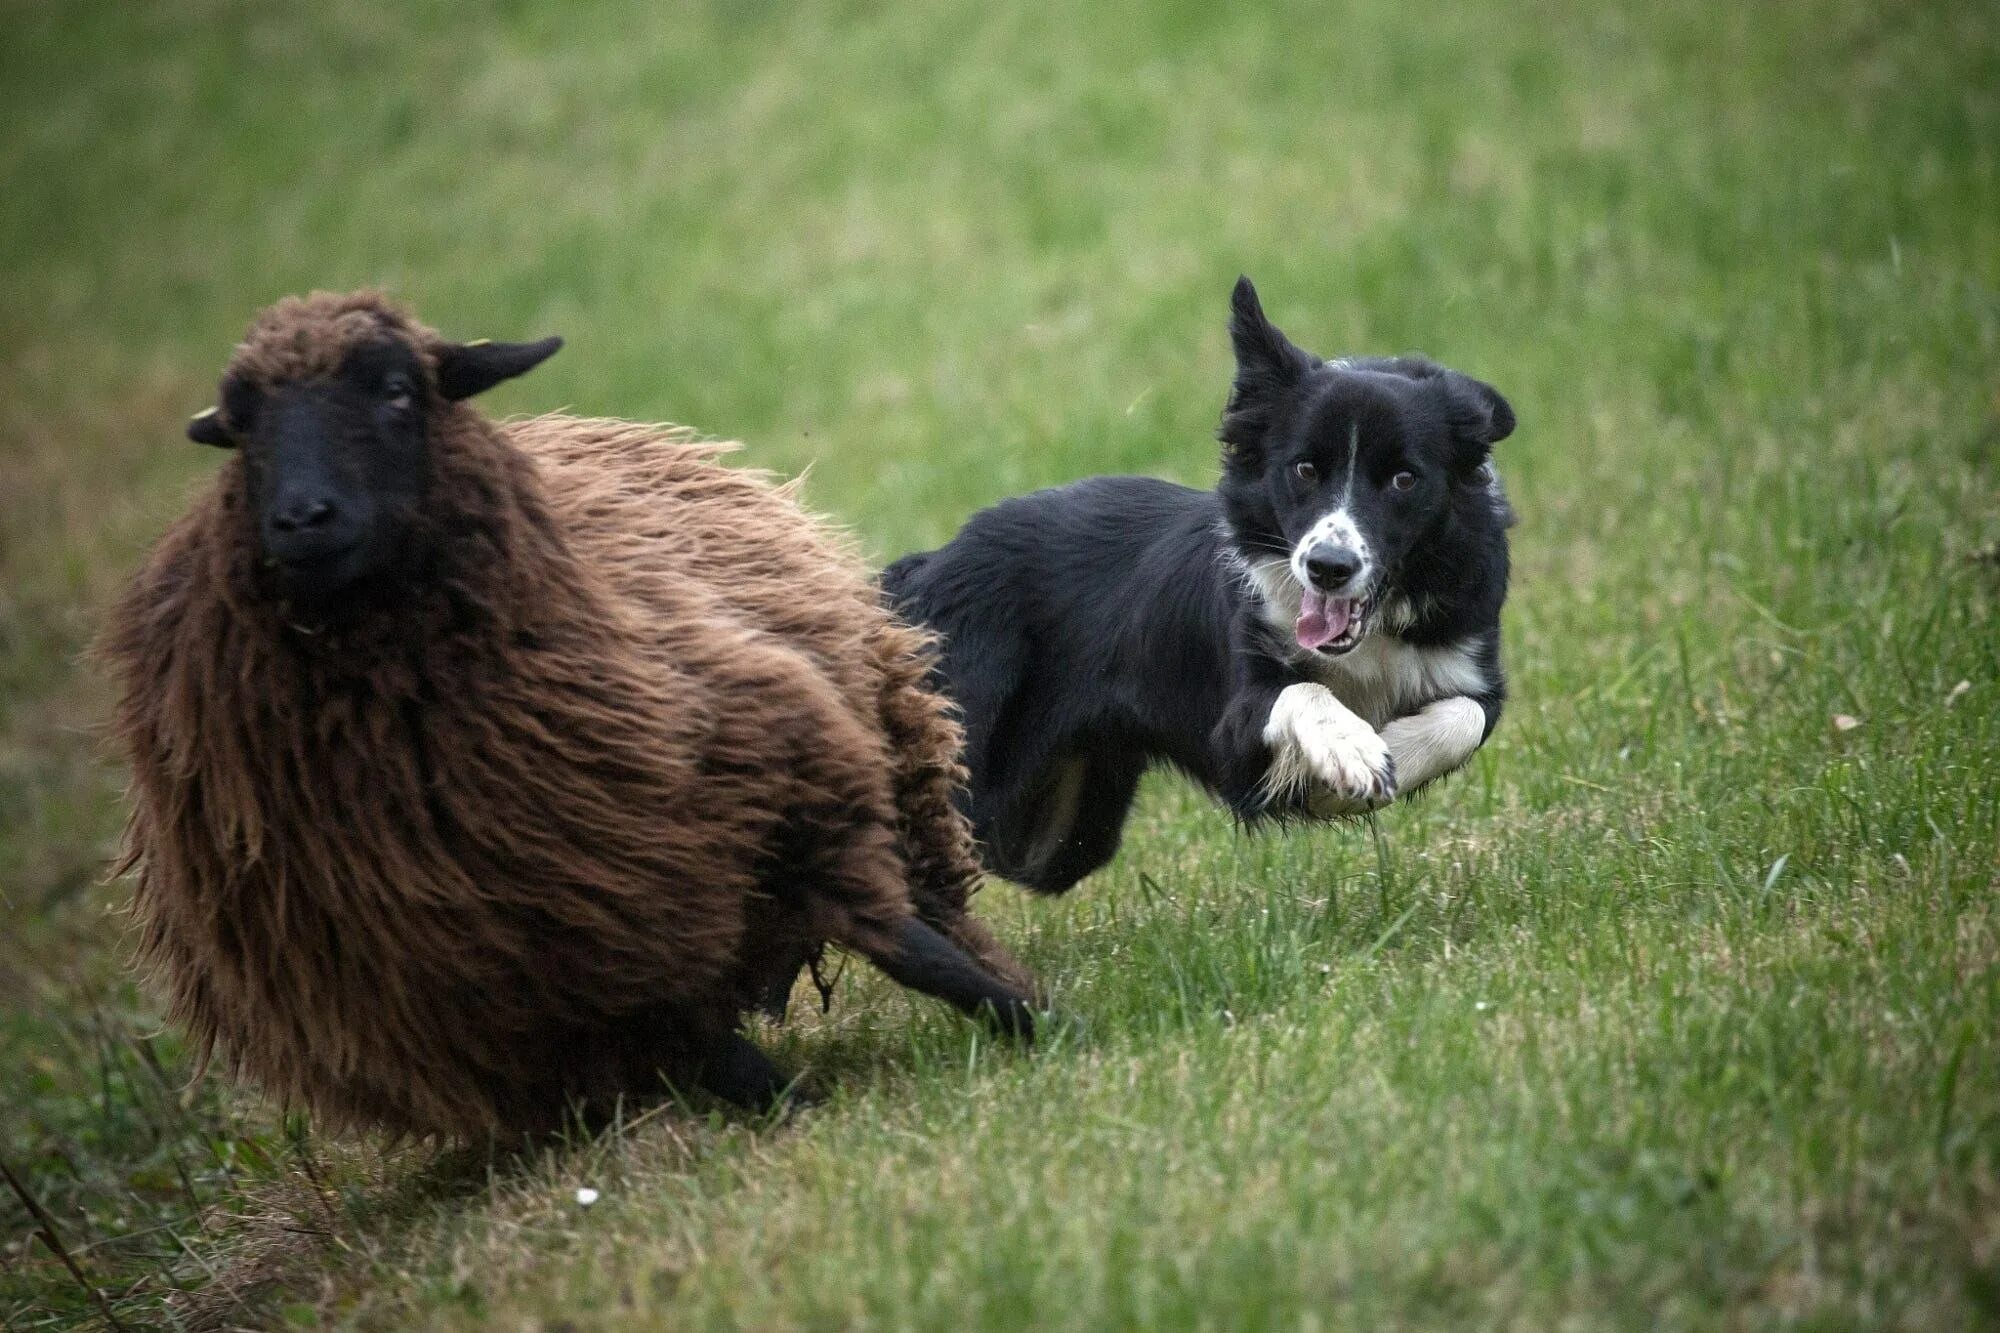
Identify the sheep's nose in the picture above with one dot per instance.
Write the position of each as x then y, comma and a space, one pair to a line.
1332, 568
304, 514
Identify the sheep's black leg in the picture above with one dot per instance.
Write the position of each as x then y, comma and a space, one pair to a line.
777, 996
735, 1070
926, 961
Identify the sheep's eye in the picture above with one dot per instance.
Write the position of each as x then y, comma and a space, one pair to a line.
397, 391
1403, 481
1306, 473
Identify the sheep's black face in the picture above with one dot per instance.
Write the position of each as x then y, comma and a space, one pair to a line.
336, 466
335, 469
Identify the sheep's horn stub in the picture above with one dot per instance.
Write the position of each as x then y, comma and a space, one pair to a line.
205, 427
464, 369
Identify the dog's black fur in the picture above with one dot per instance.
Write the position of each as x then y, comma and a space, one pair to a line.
1093, 630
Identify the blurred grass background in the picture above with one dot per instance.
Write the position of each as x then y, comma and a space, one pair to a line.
1679, 1005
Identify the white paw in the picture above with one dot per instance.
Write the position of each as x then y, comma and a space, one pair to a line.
1321, 748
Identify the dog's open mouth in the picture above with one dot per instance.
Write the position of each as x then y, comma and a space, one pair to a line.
1331, 625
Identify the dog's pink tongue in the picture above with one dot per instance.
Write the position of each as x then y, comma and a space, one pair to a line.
1322, 619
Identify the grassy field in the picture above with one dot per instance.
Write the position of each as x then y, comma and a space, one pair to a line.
1680, 1006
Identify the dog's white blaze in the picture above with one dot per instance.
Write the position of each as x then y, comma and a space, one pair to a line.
1434, 741
1318, 745
1353, 453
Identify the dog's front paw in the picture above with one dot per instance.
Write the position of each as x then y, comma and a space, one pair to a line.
1321, 750
1365, 780
1327, 803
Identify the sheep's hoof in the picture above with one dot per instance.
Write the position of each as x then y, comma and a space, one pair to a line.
1013, 1018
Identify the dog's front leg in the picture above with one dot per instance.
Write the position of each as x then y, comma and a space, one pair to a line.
1436, 739
1286, 746
1324, 755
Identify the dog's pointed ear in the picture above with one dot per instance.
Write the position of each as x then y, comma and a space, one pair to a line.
1263, 354
1480, 418
205, 427
464, 369
1267, 367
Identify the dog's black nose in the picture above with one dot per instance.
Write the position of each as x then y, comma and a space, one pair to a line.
303, 513
1332, 568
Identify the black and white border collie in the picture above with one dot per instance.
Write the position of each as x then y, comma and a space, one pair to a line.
1316, 635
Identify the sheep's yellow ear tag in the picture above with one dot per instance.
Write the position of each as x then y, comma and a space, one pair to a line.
480, 342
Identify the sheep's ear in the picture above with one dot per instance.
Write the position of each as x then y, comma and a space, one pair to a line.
205, 427
464, 369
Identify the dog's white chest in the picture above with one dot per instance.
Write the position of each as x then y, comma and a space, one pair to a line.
1384, 678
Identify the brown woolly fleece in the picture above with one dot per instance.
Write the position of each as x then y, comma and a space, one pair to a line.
630, 742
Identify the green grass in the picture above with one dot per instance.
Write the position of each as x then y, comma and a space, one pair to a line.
1679, 1006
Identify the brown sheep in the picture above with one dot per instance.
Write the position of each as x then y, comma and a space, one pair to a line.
480, 771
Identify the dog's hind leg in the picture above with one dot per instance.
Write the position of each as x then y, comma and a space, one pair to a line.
1052, 813
1075, 826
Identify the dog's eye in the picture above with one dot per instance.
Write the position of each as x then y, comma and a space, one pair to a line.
1306, 472
1403, 481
